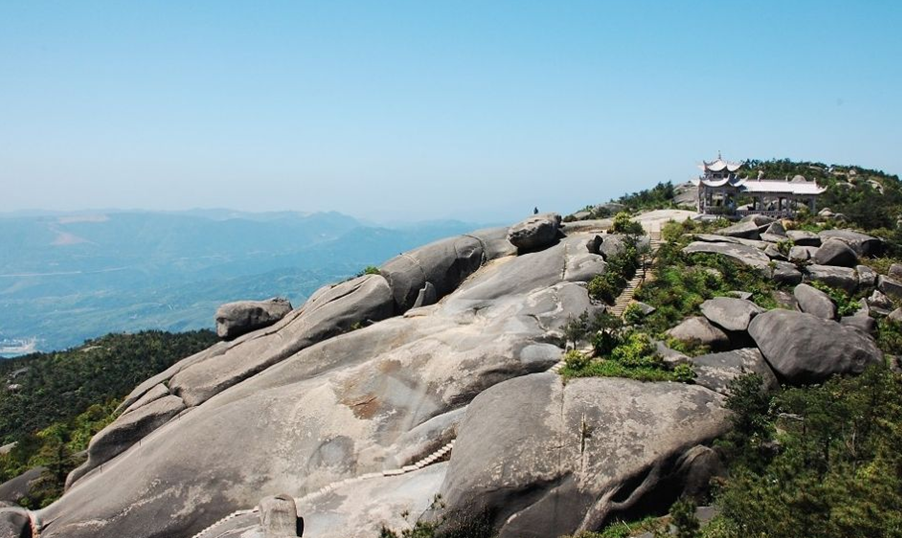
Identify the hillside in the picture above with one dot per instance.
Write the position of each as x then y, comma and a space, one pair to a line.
593, 378
66, 278
52, 403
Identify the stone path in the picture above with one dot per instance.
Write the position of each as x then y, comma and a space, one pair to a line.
428, 460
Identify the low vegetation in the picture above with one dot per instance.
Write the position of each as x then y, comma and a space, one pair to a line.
682, 282
818, 461
55, 402
617, 352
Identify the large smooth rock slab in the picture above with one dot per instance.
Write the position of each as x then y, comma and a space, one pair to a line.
536, 232
583, 266
494, 242
14, 523
157, 392
358, 509
544, 457
715, 371
444, 264
332, 411
331, 311
126, 431
241, 317
835, 251
843, 278
745, 254
699, 330
815, 302
14, 489
729, 313
802, 238
802, 348
862, 244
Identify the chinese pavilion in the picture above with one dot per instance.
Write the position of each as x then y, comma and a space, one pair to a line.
720, 187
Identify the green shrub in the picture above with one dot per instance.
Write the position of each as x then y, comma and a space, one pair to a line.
623, 225
575, 360
836, 470
845, 304
636, 351
692, 348
369, 270
633, 314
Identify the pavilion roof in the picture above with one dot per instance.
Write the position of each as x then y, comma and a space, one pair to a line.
763, 186
719, 165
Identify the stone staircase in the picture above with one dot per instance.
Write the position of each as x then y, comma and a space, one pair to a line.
424, 462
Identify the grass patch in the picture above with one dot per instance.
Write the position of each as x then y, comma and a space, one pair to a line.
633, 357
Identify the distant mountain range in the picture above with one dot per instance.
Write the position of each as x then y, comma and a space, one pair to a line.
65, 277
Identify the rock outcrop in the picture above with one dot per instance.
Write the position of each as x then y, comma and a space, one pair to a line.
536, 232
340, 388
802, 348
698, 330
541, 458
235, 319
730, 314
835, 251
813, 301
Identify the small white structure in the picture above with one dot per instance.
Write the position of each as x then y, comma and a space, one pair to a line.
720, 186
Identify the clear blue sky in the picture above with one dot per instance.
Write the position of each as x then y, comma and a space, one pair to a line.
411, 110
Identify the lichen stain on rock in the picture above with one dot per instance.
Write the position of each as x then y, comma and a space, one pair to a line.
364, 407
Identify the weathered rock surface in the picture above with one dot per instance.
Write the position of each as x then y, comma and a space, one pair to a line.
715, 371
835, 251
776, 228
536, 232
815, 302
843, 278
730, 314
867, 277
863, 323
890, 286
545, 459
895, 271
802, 238
241, 317
862, 244
746, 230
748, 255
697, 329
800, 254
279, 517
802, 348
327, 411
14, 489
774, 253
880, 301
329, 312
785, 273
126, 431
444, 264
14, 523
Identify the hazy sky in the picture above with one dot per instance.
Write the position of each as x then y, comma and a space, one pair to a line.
411, 110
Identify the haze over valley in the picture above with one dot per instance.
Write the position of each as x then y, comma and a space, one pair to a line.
66, 277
